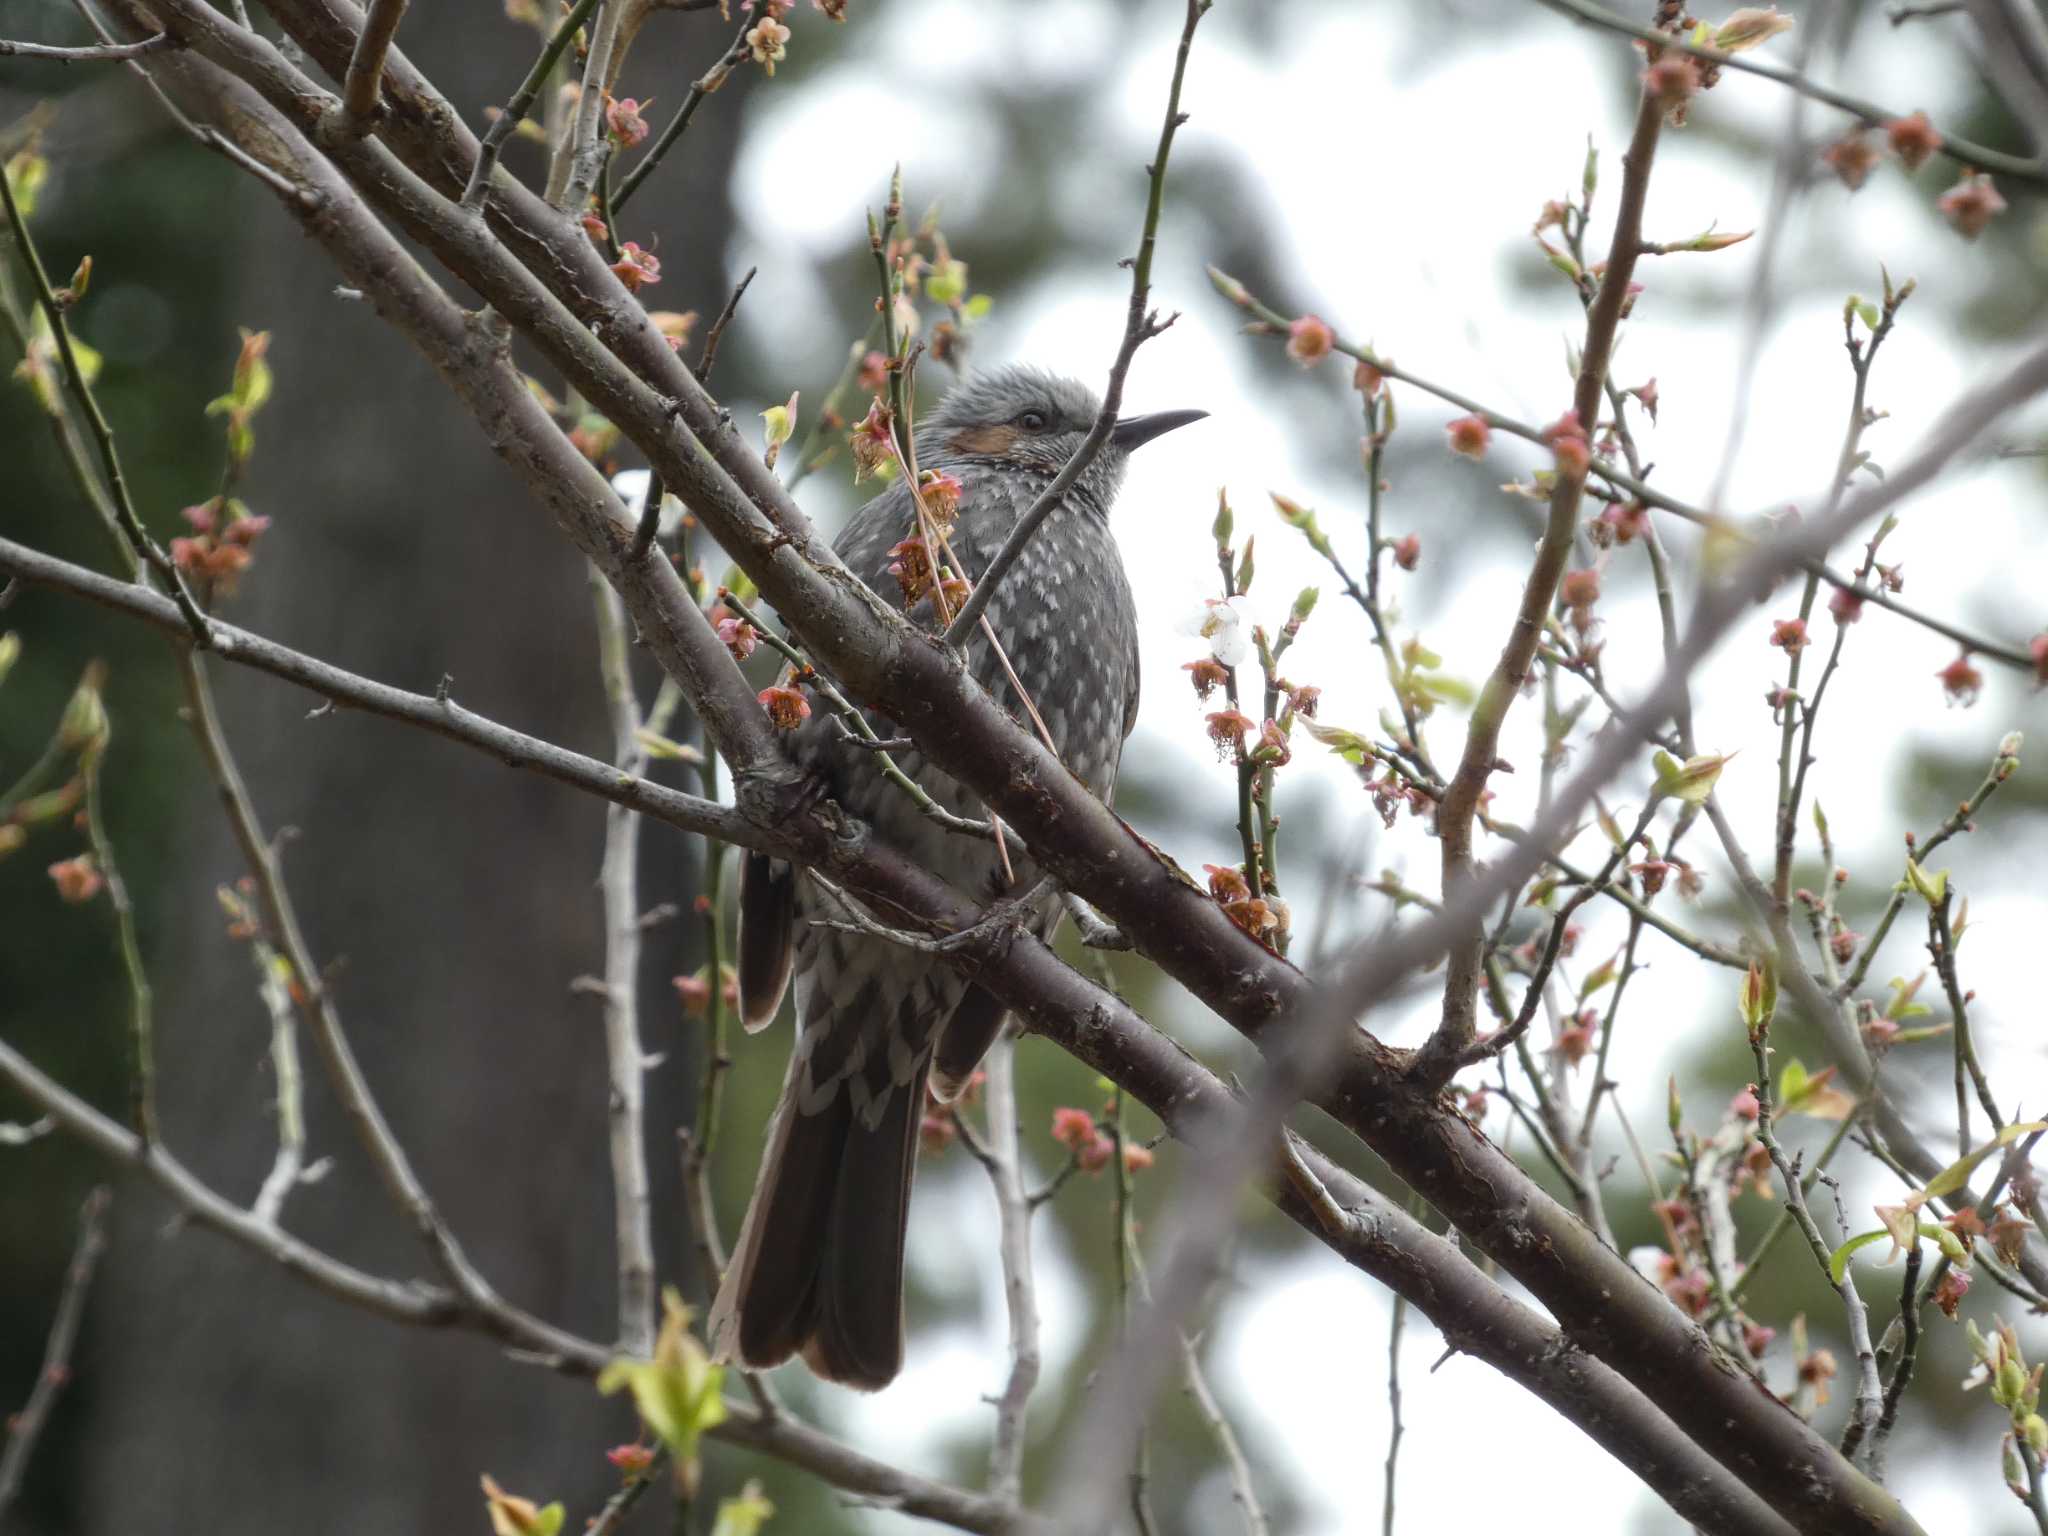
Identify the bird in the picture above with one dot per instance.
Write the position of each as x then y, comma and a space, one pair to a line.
817, 1269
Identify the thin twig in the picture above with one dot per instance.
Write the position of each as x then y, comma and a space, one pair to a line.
1003, 1155
1094, 932
709, 357
494, 137
1869, 1388
1799, 714
532, 1339
583, 150
1941, 944
1625, 486
1902, 1373
145, 549
1962, 151
625, 1062
1456, 812
705, 84
1242, 1493
141, 1028
287, 1168
1140, 325
101, 53
1394, 1427
205, 134
1962, 819
828, 417
25, 1428
438, 716
359, 89
621, 1503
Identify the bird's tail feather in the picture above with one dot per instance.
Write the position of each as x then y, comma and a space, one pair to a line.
818, 1268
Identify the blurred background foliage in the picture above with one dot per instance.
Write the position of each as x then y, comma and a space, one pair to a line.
456, 902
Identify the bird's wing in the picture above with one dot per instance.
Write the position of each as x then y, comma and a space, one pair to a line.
767, 929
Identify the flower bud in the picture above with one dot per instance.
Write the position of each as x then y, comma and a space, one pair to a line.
1971, 204
1913, 139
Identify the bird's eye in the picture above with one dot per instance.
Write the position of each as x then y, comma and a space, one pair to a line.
1032, 421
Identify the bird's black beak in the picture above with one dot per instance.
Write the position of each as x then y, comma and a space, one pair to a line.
1133, 430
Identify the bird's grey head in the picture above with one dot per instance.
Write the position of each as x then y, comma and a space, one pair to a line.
1028, 419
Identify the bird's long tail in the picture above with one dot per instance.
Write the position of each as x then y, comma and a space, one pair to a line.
818, 1268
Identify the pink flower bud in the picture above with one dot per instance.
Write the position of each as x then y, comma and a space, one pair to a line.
1227, 884
632, 1460
1580, 589
1469, 436
628, 128
1913, 139
1207, 675
1227, 728
1961, 681
636, 268
1572, 456
1073, 1127
1852, 157
1309, 341
1672, 81
1971, 204
1949, 1292
787, 707
78, 880
739, 637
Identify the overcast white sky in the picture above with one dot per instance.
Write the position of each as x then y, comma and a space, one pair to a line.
1404, 169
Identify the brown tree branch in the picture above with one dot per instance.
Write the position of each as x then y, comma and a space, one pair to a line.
436, 714
366, 64
1458, 808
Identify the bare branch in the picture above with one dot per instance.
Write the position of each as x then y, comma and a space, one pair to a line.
25, 1427
431, 1306
735, 53
1962, 151
625, 1062
366, 65
1242, 1493
425, 711
141, 1025
521, 103
1625, 485
1140, 325
1004, 1159
142, 548
101, 53
1456, 812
